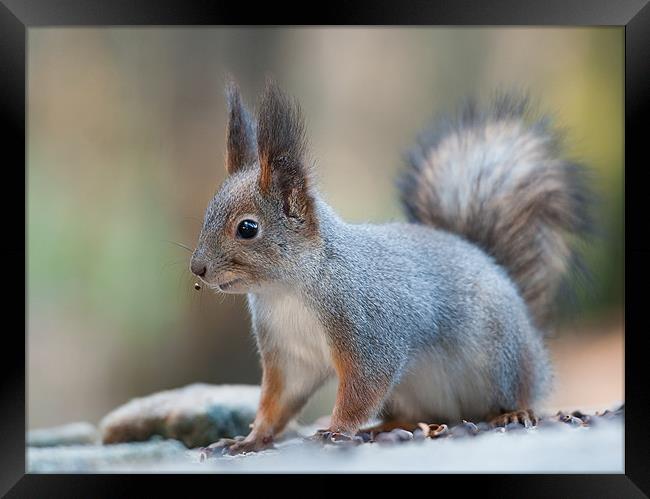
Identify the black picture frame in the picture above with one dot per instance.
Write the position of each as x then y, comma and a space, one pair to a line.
16, 16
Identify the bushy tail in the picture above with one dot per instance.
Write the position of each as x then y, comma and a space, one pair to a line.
496, 176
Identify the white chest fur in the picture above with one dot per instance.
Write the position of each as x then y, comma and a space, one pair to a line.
293, 330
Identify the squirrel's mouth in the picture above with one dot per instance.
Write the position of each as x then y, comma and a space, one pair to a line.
226, 282
224, 286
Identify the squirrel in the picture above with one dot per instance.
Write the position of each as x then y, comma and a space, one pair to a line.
440, 318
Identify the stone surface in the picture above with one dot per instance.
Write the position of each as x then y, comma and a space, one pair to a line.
118, 457
559, 448
196, 415
70, 434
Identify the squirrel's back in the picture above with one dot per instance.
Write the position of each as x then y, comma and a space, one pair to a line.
496, 177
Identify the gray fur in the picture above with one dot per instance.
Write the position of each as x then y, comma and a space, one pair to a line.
496, 177
434, 328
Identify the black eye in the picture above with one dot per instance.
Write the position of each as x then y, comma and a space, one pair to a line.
247, 229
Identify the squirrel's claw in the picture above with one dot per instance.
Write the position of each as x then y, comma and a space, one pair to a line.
234, 446
249, 446
524, 417
329, 436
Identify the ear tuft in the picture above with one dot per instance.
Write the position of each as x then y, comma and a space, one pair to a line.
240, 134
281, 140
282, 147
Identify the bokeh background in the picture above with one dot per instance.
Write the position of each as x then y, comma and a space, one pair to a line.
125, 149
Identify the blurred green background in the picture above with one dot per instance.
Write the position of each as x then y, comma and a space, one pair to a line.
125, 149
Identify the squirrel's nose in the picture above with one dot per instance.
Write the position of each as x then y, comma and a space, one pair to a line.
198, 268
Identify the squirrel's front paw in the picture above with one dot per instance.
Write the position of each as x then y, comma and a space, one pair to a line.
250, 445
330, 436
237, 445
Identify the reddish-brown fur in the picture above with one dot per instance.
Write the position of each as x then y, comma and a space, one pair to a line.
265, 174
357, 399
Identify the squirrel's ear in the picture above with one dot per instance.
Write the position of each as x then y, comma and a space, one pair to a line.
282, 146
240, 134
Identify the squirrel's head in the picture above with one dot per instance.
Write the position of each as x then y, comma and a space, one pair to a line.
261, 222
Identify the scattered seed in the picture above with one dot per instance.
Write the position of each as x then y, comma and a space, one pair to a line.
341, 440
572, 420
425, 430
586, 418
197, 286
365, 436
402, 435
463, 430
483, 426
386, 437
358, 439
471, 428
418, 434
438, 430
433, 430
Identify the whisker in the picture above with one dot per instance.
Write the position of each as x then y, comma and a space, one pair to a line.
165, 266
180, 245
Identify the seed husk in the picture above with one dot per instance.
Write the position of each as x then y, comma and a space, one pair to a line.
433, 430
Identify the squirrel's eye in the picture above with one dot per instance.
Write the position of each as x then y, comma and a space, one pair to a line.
247, 229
